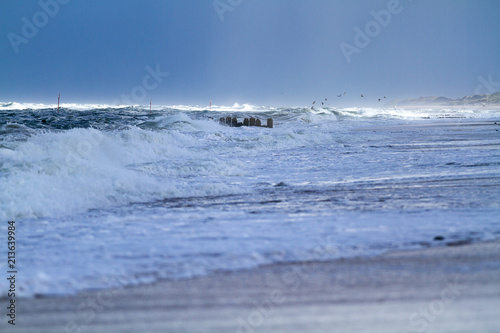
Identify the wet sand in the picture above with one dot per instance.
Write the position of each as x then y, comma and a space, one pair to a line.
446, 289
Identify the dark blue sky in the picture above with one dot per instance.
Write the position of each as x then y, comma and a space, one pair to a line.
264, 52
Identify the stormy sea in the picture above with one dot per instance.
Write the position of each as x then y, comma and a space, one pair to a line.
107, 196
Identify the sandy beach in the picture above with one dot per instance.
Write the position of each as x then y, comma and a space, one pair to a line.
445, 289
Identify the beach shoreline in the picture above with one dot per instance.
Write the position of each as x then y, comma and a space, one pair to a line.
453, 288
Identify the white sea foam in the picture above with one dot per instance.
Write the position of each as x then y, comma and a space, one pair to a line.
56, 173
41, 106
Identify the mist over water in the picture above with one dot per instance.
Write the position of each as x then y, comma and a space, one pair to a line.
100, 192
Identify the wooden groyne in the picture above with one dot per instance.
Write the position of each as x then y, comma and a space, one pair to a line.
254, 122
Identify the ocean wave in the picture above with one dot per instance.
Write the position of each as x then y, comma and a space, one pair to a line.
57, 173
353, 112
174, 194
74, 162
52, 172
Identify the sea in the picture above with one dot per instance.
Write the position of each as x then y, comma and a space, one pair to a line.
114, 196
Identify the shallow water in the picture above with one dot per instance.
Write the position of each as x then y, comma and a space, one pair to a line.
108, 196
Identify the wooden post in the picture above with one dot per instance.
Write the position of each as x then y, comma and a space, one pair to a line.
270, 122
233, 122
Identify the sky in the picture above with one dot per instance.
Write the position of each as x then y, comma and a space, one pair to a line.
261, 52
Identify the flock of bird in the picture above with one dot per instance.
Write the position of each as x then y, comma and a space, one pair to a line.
340, 95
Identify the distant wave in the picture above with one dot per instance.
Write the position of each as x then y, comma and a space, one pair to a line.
87, 107
356, 112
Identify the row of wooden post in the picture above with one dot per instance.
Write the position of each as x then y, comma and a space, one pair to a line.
233, 122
